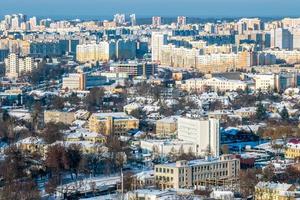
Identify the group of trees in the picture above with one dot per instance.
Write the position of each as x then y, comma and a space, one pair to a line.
52, 132
18, 183
180, 154
45, 72
94, 99
250, 177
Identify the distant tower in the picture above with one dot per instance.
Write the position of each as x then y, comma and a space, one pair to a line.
181, 21
157, 41
156, 21
133, 19
119, 18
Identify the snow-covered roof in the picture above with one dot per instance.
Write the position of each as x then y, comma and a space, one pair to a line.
274, 186
171, 119
31, 140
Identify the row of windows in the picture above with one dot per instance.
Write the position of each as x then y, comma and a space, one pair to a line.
210, 175
164, 178
294, 150
164, 170
210, 167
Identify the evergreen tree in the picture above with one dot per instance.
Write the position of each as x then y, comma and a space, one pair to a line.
284, 114
260, 112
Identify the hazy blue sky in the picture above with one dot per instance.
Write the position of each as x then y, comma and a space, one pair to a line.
198, 8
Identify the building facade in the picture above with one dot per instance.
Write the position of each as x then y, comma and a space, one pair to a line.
112, 123
196, 173
204, 133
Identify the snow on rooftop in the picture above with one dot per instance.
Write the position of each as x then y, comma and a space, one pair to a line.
20, 114
171, 119
274, 186
31, 140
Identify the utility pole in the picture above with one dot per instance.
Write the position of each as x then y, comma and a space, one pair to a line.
122, 184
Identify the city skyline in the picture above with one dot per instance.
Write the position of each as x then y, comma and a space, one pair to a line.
190, 8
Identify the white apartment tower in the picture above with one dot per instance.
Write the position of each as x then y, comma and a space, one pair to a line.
158, 39
15, 66
181, 21
156, 21
282, 39
132, 19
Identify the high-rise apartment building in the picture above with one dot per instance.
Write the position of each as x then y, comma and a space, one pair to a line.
132, 19
181, 21
119, 18
282, 39
249, 24
103, 51
126, 49
156, 21
158, 39
32, 23
15, 65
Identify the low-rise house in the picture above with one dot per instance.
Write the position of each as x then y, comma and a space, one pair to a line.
59, 117
215, 83
222, 195
32, 145
84, 135
274, 191
87, 147
246, 112
292, 149
145, 179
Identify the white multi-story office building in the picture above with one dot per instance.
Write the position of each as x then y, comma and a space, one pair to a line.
204, 133
197, 173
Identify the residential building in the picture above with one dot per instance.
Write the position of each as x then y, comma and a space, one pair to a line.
245, 112
166, 126
59, 117
215, 84
75, 81
103, 51
282, 39
16, 66
158, 39
292, 149
133, 68
196, 173
118, 123
281, 81
181, 21
156, 21
271, 191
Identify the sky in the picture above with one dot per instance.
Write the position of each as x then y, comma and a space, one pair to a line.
146, 8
